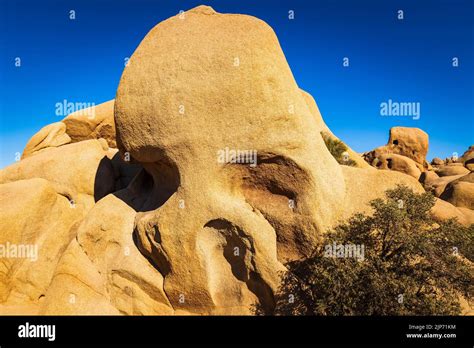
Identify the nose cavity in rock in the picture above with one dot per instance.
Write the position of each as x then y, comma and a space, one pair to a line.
220, 236
153, 187
148, 241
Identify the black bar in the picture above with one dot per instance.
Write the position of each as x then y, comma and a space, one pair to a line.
241, 330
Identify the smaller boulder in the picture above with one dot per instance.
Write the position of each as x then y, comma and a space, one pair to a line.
52, 135
438, 186
409, 142
469, 164
92, 123
467, 178
451, 169
398, 163
443, 210
468, 155
459, 194
428, 178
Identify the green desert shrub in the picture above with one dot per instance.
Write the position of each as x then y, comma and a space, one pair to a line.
337, 149
411, 265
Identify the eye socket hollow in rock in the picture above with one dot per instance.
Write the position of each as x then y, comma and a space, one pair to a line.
155, 185
273, 183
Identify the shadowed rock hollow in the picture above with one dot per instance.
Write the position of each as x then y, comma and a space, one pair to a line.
178, 231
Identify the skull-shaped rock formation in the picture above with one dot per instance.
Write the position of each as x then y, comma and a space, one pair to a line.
199, 87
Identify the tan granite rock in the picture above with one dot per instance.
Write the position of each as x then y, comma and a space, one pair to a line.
452, 169
398, 163
52, 135
92, 123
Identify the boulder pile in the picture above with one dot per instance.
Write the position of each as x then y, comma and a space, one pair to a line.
449, 180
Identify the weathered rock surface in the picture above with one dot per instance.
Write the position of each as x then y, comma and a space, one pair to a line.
459, 193
438, 185
405, 152
452, 169
467, 178
443, 210
359, 180
105, 262
437, 161
80, 171
468, 158
467, 155
398, 163
408, 142
427, 178
92, 123
96, 122
38, 220
185, 229
52, 135
77, 288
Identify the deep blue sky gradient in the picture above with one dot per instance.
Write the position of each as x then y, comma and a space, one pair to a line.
410, 60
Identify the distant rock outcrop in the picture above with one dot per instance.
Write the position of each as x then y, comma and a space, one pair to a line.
96, 122
398, 163
460, 192
404, 141
92, 123
452, 169
437, 161
468, 158
406, 151
52, 135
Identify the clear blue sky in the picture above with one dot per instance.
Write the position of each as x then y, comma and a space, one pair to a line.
82, 60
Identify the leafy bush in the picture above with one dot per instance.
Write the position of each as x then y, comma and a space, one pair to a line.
337, 149
411, 266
